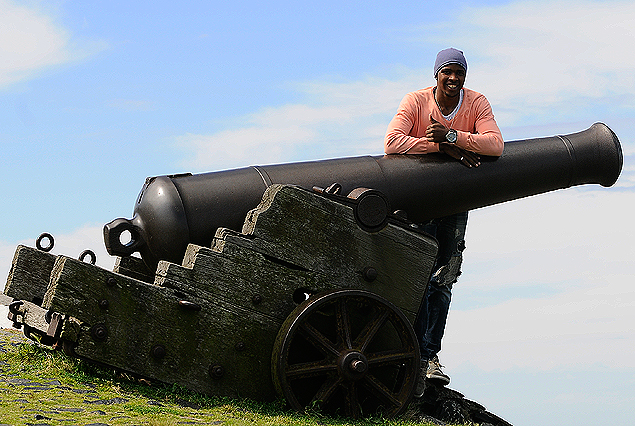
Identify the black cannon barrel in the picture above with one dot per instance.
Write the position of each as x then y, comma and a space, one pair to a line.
172, 211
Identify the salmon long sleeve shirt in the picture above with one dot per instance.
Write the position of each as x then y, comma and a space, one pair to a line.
474, 122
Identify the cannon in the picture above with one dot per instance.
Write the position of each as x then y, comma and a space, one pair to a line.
298, 280
173, 211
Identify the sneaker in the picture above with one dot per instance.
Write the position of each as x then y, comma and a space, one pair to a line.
435, 374
421, 379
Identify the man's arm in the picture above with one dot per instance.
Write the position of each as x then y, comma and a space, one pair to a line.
488, 139
398, 139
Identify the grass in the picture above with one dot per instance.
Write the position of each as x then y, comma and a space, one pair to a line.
42, 386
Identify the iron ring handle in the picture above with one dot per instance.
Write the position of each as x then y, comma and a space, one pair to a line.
14, 307
38, 242
88, 253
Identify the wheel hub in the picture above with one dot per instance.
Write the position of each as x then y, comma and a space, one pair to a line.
353, 365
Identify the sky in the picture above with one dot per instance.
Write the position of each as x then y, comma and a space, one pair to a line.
96, 96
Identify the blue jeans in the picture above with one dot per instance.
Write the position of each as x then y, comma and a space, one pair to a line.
430, 323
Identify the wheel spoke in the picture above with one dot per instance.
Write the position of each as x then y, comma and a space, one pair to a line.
352, 401
319, 340
370, 329
343, 324
309, 369
381, 391
390, 357
327, 389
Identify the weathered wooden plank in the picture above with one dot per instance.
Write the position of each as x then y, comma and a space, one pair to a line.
133, 267
144, 329
320, 235
33, 316
29, 275
5, 300
240, 277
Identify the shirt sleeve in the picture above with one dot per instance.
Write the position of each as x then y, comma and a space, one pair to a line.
398, 139
487, 139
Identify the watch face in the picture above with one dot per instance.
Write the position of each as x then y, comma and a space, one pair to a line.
451, 136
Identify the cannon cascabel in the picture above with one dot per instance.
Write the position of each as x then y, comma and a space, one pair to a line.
175, 210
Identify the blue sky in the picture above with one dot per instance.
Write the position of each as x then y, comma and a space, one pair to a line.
96, 96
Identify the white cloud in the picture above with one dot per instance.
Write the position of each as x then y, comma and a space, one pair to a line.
231, 148
31, 41
553, 58
338, 119
553, 278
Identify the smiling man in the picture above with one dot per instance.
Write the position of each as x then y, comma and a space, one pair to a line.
459, 122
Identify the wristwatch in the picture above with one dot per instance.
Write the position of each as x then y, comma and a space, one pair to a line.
451, 136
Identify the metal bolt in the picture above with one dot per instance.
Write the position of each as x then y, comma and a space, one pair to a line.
216, 371
240, 346
111, 282
256, 299
369, 274
157, 351
358, 366
99, 332
103, 304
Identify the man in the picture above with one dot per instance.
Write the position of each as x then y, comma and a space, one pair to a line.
459, 122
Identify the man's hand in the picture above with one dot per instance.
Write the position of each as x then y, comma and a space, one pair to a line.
436, 131
467, 158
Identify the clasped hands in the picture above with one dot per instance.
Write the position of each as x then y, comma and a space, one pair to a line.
436, 132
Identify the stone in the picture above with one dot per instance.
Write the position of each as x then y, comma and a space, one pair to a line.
447, 406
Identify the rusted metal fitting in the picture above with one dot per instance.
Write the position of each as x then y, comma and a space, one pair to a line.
216, 371
99, 332
158, 351
353, 365
370, 274
190, 306
55, 321
14, 307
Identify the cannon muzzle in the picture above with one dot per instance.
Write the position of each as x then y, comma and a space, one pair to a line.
175, 210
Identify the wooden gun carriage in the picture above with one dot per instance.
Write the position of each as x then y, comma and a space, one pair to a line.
312, 298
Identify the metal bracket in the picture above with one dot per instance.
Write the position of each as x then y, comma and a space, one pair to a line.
37, 321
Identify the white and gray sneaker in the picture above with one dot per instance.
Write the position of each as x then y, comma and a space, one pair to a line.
435, 374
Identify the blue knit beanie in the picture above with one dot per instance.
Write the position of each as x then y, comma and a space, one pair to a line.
447, 57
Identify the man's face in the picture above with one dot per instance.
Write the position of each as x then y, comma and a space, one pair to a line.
450, 79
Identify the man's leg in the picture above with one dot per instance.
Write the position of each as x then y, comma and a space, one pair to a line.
430, 323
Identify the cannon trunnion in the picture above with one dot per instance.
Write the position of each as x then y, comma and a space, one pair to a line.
304, 301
